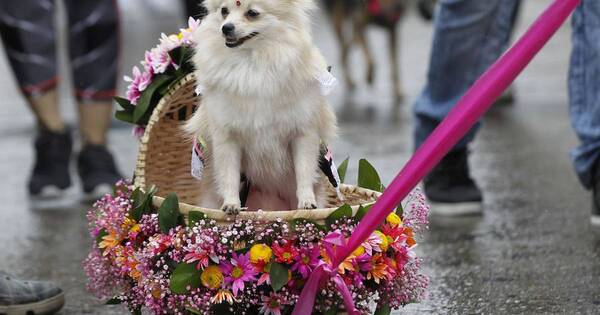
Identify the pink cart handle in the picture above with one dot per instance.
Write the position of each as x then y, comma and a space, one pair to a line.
469, 109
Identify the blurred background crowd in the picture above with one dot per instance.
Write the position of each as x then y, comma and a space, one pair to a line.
401, 64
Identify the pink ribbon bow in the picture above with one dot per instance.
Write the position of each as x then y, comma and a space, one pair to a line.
478, 99
332, 242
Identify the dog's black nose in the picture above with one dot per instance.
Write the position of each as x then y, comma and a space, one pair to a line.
228, 29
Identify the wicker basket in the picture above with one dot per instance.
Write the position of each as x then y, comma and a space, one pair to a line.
164, 161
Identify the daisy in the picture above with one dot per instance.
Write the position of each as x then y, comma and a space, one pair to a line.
284, 254
238, 271
272, 304
306, 260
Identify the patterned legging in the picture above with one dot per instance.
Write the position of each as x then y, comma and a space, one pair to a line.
27, 30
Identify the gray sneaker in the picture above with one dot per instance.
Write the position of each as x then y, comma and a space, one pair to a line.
18, 297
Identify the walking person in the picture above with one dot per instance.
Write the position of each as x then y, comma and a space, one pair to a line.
469, 36
29, 37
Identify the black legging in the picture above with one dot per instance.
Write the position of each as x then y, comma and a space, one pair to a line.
195, 8
27, 29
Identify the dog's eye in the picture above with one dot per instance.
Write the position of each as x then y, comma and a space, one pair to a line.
252, 14
224, 12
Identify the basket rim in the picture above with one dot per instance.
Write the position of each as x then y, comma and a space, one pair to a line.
288, 215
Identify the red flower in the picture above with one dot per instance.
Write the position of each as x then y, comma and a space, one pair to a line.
284, 254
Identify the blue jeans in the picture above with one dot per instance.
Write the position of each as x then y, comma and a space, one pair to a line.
471, 34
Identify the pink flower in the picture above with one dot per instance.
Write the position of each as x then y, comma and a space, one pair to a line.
306, 260
372, 244
138, 131
137, 84
161, 60
238, 271
272, 304
199, 256
187, 35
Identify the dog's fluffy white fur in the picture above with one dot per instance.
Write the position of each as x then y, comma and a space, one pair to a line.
262, 112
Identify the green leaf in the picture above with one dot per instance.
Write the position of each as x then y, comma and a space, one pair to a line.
195, 216
383, 310
342, 169
144, 102
168, 213
278, 276
125, 104
362, 211
184, 276
332, 311
368, 177
400, 210
193, 311
126, 116
341, 212
142, 203
113, 301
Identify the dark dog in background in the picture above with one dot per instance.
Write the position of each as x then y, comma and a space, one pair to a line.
386, 14
195, 9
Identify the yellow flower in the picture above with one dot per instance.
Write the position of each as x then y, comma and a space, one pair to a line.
212, 277
260, 253
180, 35
359, 251
393, 219
109, 241
384, 241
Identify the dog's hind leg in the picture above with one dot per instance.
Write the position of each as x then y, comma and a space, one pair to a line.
395, 64
360, 27
338, 16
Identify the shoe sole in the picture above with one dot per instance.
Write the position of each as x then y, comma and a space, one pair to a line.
45, 307
98, 193
460, 209
595, 221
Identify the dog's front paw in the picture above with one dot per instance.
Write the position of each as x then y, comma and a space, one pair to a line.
307, 204
231, 208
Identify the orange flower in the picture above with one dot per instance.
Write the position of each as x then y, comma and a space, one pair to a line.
378, 269
345, 265
222, 296
109, 241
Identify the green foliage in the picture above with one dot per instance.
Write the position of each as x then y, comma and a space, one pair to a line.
143, 108
142, 203
342, 169
168, 213
383, 309
278, 276
113, 301
195, 216
368, 176
184, 276
362, 211
344, 211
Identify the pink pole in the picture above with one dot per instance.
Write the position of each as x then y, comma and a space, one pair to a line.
470, 108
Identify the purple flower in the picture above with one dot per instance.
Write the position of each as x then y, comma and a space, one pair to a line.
306, 260
137, 84
238, 271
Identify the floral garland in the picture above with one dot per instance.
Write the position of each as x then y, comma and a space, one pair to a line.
162, 66
147, 257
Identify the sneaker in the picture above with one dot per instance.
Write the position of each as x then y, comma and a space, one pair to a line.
18, 297
50, 176
450, 189
595, 219
97, 170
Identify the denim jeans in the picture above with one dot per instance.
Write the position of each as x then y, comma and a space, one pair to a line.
471, 34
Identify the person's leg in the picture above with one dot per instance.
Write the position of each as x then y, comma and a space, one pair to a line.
469, 36
94, 51
27, 31
584, 97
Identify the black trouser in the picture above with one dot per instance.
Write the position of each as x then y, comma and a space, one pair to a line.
27, 29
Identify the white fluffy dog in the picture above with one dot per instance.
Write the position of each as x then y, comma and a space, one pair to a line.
263, 113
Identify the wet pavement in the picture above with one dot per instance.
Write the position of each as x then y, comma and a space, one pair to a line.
532, 252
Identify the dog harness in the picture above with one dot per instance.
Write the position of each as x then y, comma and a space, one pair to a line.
327, 83
376, 10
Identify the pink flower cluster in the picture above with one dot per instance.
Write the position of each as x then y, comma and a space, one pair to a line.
158, 60
230, 266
